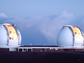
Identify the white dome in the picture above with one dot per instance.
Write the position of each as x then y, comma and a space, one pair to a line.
70, 36
9, 36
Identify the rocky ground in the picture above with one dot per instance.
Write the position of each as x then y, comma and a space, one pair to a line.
41, 57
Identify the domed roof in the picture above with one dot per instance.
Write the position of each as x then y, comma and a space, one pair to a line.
9, 36
70, 36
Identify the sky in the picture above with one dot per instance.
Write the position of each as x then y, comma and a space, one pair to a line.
39, 21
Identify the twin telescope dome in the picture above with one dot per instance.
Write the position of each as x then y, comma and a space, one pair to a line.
70, 36
9, 36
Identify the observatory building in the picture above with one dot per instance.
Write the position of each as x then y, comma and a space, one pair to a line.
70, 36
10, 37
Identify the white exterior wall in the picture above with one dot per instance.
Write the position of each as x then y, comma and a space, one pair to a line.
65, 37
3, 36
78, 41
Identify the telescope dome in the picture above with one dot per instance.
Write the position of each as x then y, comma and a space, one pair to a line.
9, 36
70, 36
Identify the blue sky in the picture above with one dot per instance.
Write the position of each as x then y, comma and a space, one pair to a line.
39, 21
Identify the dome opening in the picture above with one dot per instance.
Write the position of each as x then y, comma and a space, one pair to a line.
11, 31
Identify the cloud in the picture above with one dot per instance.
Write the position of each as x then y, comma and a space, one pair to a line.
81, 24
3, 15
38, 26
52, 27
